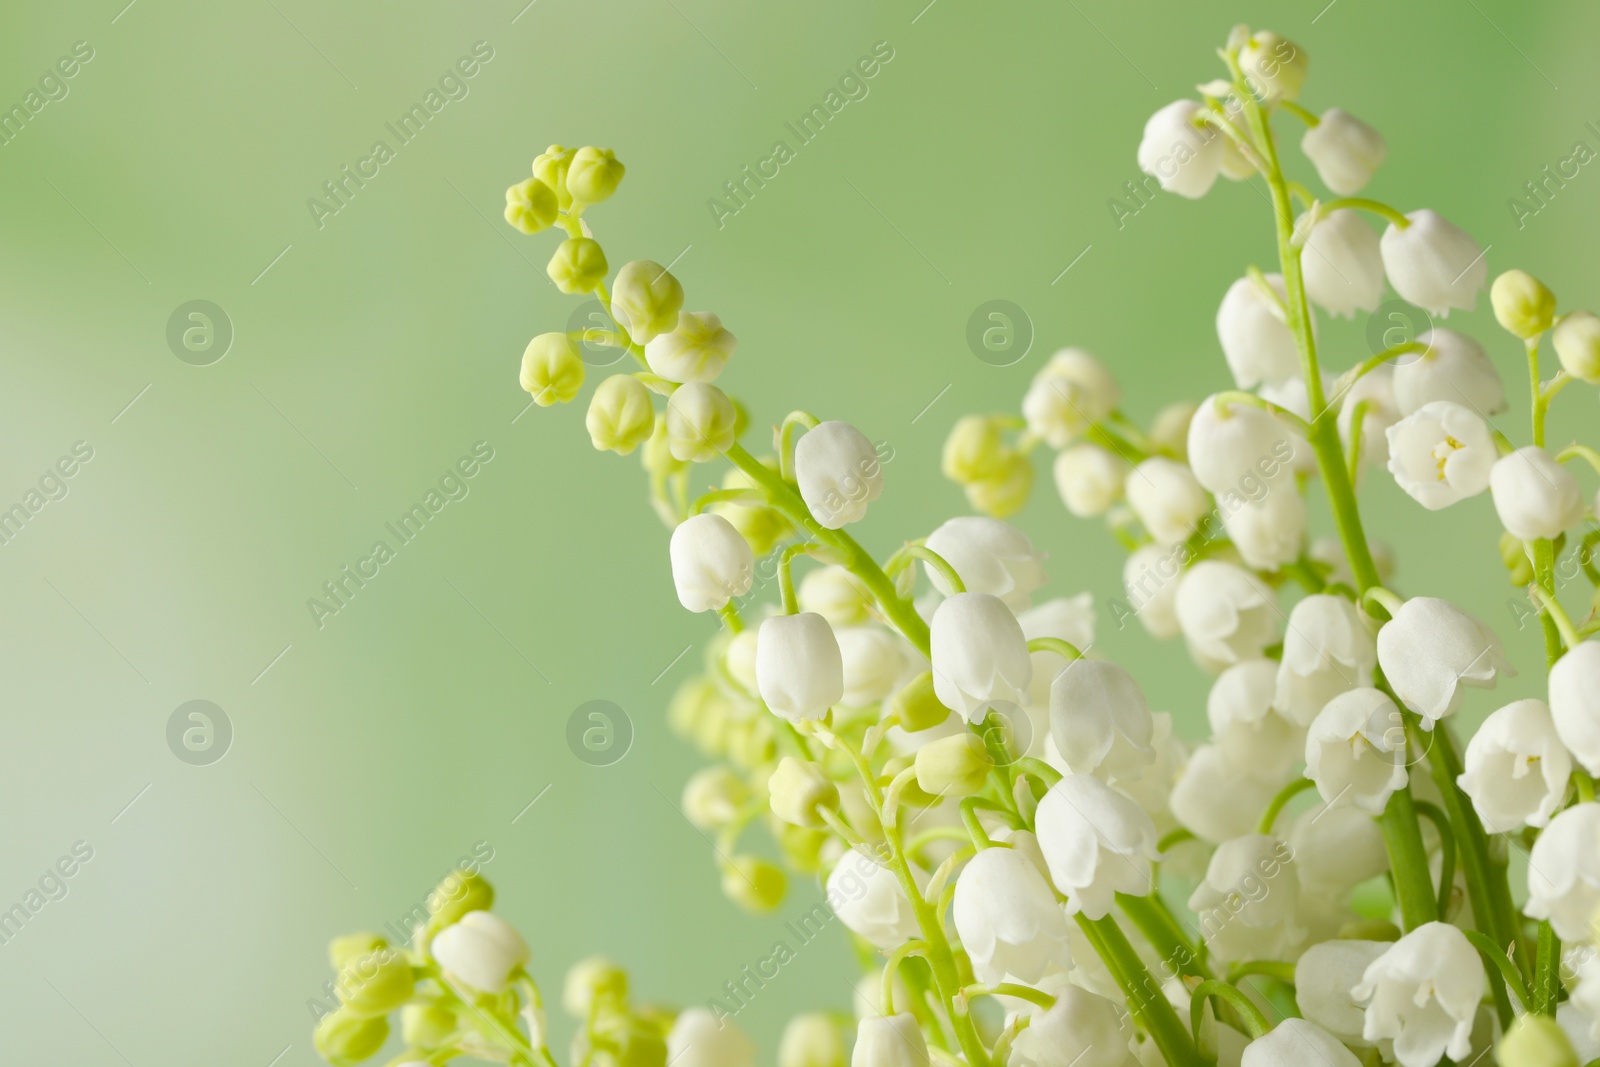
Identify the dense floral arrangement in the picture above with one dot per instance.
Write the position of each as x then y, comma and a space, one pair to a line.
1036, 870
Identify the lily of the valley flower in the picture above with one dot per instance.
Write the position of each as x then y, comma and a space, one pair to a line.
481, 949
1100, 721
699, 1039
1069, 619
990, 556
1434, 264
1090, 479
1342, 264
1431, 649
979, 655
1183, 156
1575, 703
1008, 918
1345, 151
1235, 447
1246, 904
838, 472
1327, 650
1535, 496
695, 351
799, 669
1246, 725
1441, 453
711, 562
1069, 394
1097, 843
1257, 343
1453, 367
1226, 612
1516, 768
889, 1041
1269, 532
1298, 1043
1167, 499
1423, 994
869, 900
1324, 976
1081, 1029
1356, 750
700, 422
646, 299
1564, 873
1217, 798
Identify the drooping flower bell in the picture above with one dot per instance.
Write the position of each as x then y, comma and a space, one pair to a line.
1441, 453
979, 655
1342, 264
696, 349
701, 422
1431, 649
1097, 842
646, 299
1453, 367
481, 949
1246, 725
1245, 905
1535, 496
1423, 994
1071, 392
1089, 478
1100, 721
869, 900
839, 473
552, 369
1564, 873
1575, 703
990, 556
1167, 498
1577, 344
889, 1041
799, 669
1297, 1043
1233, 447
1433, 263
1081, 1029
1184, 156
1356, 750
711, 562
1327, 650
1516, 768
1008, 918
1226, 612
1257, 343
1345, 151
699, 1039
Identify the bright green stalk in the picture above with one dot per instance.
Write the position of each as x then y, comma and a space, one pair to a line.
1145, 999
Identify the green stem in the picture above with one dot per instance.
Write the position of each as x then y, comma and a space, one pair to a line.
1547, 972
1254, 1021
891, 966
1408, 860
1447, 849
1495, 956
1150, 915
786, 440
1149, 1005
1279, 802
1361, 203
1065, 649
1011, 989
938, 563
1283, 972
1583, 452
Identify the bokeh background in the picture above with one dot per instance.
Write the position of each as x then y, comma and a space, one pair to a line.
371, 352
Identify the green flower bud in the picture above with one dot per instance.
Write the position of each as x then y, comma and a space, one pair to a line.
915, 707
801, 847
701, 422
953, 766
593, 175
552, 369
578, 266
551, 167
646, 299
800, 792
763, 527
657, 453
634, 1043
1003, 494
811, 1040
456, 894
1518, 566
1522, 304
753, 883
377, 983
621, 416
751, 742
713, 796
426, 1025
1169, 431
1274, 67
699, 712
591, 979
530, 205
1535, 1041
341, 950
1577, 341
342, 1037
976, 449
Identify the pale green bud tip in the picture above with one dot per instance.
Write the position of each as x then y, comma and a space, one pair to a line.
1003, 494
800, 792
1577, 341
343, 1038
595, 978
426, 1025
1515, 558
975, 450
578, 266
646, 299
593, 175
753, 883
341, 950
552, 369
701, 422
551, 167
915, 707
1535, 1041
953, 766
811, 1040
621, 416
376, 983
1522, 304
458, 893
531, 205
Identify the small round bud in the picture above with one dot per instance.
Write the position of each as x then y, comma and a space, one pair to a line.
426, 1025
552, 369
578, 266
646, 299
1274, 67
915, 707
343, 949
953, 766
802, 847
811, 1040
343, 1038
376, 983
1522, 304
976, 449
458, 893
700, 422
1535, 1041
595, 978
1169, 431
695, 350
1003, 493
593, 175
1577, 341
657, 453
713, 796
800, 791
621, 416
530, 205
753, 883
837, 595
551, 167
1518, 566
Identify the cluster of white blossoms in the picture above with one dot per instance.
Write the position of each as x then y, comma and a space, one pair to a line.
1044, 873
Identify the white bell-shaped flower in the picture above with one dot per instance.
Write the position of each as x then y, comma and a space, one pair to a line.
695, 351
874, 662
1008, 918
1336, 848
1097, 843
1257, 343
1167, 499
700, 422
1453, 367
1245, 906
1580, 1015
1298, 1043
1373, 395
1227, 613
1516, 768
979, 655
1324, 976
698, 1038
1564, 873
711, 562
1423, 994
1234, 447
799, 668
1327, 650
838, 472
1150, 581
889, 1041
1081, 1029
1089, 478
1576, 340
1431, 649
991, 556
1269, 532
481, 949
1433, 263
1244, 723
1069, 394
1356, 750
1341, 262
1345, 151
1069, 619
1100, 722
1575, 703
1184, 157
1535, 496
869, 900
1292, 394
646, 299
835, 594
1217, 799
1441, 453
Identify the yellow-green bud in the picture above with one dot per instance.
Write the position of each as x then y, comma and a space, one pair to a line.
811, 1040
552, 369
1515, 557
976, 449
593, 175
578, 265
591, 979
753, 883
800, 792
530, 205
377, 983
713, 796
701, 422
426, 1025
1522, 304
763, 527
1274, 67
801, 847
911, 793
1169, 431
1003, 494
915, 707
551, 167
1577, 341
751, 742
1535, 1041
953, 766
621, 416
646, 299
456, 894
633, 1043
343, 949
699, 711
344, 1038
657, 453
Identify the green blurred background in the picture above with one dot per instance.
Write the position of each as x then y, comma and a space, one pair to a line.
369, 354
